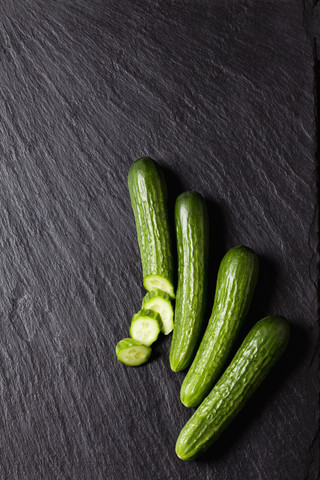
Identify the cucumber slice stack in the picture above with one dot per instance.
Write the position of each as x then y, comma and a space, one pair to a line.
160, 302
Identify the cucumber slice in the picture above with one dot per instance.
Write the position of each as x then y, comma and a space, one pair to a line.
132, 353
159, 301
145, 326
155, 282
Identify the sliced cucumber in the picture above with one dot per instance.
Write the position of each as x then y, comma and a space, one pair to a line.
155, 282
145, 326
132, 353
149, 199
159, 301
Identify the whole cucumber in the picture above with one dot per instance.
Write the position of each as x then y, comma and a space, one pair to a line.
236, 281
192, 233
148, 193
259, 351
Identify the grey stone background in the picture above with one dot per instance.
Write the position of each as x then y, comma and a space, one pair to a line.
222, 95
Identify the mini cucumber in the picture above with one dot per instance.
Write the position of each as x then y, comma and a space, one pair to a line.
148, 193
145, 326
192, 232
236, 281
132, 353
258, 353
160, 302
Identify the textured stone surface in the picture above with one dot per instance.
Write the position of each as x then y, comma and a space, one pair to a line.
221, 94
312, 23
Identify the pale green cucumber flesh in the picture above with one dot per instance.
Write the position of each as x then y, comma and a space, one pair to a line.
258, 353
156, 282
132, 353
165, 310
145, 326
236, 281
145, 330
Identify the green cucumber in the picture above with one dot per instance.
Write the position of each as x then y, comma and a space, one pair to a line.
258, 353
192, 232
160, 302
132, 353
145, 326
236, 281
148, 193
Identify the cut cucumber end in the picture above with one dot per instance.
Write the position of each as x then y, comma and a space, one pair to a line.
154, 282
145, 326
160, 302
132, 353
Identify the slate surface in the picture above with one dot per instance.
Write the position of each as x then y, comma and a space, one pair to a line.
221, 94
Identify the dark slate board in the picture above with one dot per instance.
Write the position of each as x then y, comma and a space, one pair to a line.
221, 94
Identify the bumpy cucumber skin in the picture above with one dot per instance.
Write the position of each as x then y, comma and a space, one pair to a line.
155, 294
127, 343
236, 281
192, 232
148, 193
258, 353
145, 312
